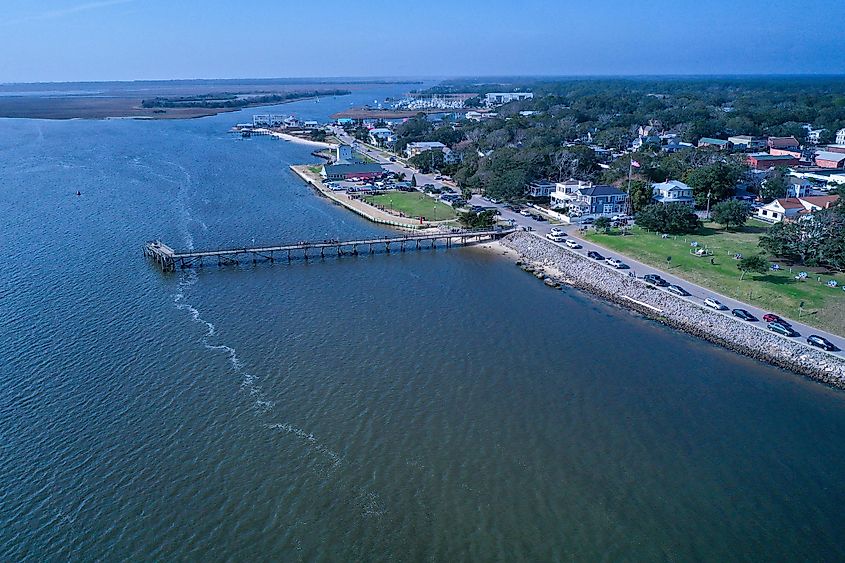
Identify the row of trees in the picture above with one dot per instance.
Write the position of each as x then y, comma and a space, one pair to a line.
817, 241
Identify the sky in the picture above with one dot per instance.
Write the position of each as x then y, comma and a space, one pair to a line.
82, 40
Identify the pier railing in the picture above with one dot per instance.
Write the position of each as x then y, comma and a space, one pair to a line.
168, 259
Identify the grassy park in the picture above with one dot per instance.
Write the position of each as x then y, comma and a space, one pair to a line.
777, 291
412, 204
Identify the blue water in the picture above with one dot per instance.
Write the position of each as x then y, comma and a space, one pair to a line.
438, 406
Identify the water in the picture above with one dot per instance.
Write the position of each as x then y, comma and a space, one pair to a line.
426, 406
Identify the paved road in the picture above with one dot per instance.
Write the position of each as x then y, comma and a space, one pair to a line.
697, 293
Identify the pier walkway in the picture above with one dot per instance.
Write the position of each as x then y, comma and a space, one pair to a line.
168, 259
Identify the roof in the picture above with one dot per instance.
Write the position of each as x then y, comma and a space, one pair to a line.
352, 168
671, 184
711, 141
377, 130
783, 142
601, 190
426, 144
822, 201
767, 156
789, 203
827, 155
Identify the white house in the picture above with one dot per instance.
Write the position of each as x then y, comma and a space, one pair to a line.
813, 136
381, 135
413, 149
791, 208
564, 192
541, 188
343, 154
840, 137
672, 191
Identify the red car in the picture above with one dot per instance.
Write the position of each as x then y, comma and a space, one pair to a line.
772, 318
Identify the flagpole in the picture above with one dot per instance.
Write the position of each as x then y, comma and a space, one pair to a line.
629, 207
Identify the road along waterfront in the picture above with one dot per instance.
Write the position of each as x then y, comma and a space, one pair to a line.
625, 289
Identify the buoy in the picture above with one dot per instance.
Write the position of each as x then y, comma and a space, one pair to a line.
78, 192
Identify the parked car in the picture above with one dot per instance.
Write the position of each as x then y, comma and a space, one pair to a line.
616, 263
654, 279
714, 304
595, 255
587, 221
772, 318
525, 212
821, 342
783, 329
554, 237
744, 315
677, 290
392, 159
572, 244
558, 231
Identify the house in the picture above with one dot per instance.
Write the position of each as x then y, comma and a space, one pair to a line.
348, 171
707, 142
840, 137
541, 188
764, 161
291, 122
310, 124
674, 146
825, 159
650, 140
564, 192
601, 200
747, 142
814, 135
785, 209
783, 143
499, 98
413, 149
380, 136
672, 191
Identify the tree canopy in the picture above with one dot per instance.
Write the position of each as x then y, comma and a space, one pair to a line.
731, 213
670, 218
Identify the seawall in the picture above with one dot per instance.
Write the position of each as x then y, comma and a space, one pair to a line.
566, 267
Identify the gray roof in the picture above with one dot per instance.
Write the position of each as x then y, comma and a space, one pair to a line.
351, 168
601, 190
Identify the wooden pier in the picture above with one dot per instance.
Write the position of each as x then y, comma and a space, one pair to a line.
168, 259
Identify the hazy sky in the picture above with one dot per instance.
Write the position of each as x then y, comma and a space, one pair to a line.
60, 40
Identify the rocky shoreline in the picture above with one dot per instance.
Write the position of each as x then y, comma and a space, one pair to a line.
556, 265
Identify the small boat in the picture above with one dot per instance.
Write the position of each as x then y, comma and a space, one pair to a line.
78, 192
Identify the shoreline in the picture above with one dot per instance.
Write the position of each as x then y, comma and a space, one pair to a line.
557, 265
300, 140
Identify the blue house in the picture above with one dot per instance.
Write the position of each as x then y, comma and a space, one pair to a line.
601, 200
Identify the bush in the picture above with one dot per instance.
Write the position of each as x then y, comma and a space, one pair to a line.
671, 218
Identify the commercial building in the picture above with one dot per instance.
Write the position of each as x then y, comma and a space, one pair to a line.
783, 143
499, 98
764, 161
672, 191
351, 171
747, 142
825, 159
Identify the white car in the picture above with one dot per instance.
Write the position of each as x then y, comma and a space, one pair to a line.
554, 237
615, 263
525, 213
714, 304
572, 244
558, 231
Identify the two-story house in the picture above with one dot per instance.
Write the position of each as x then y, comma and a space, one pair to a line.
672, 191
601, 200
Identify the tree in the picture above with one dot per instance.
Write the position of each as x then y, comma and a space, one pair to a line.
602, 223
775, 186
719, 179
428, 161
480, 220
640, 194
754, 263
671, 218
466, 193
731, 213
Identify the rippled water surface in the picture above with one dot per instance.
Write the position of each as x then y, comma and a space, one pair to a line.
421, 406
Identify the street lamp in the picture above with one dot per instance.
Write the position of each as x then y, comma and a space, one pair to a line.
708, 204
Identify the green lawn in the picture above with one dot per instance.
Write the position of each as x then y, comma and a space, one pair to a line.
316, 169
777, 291
413, 204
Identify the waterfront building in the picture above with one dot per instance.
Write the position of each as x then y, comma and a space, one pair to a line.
564, 192
349, 171
499, 98
343, 154
541, 188
673, 191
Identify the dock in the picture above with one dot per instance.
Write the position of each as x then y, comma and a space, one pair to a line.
169, 260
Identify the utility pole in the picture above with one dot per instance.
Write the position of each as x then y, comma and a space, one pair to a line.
708, 205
